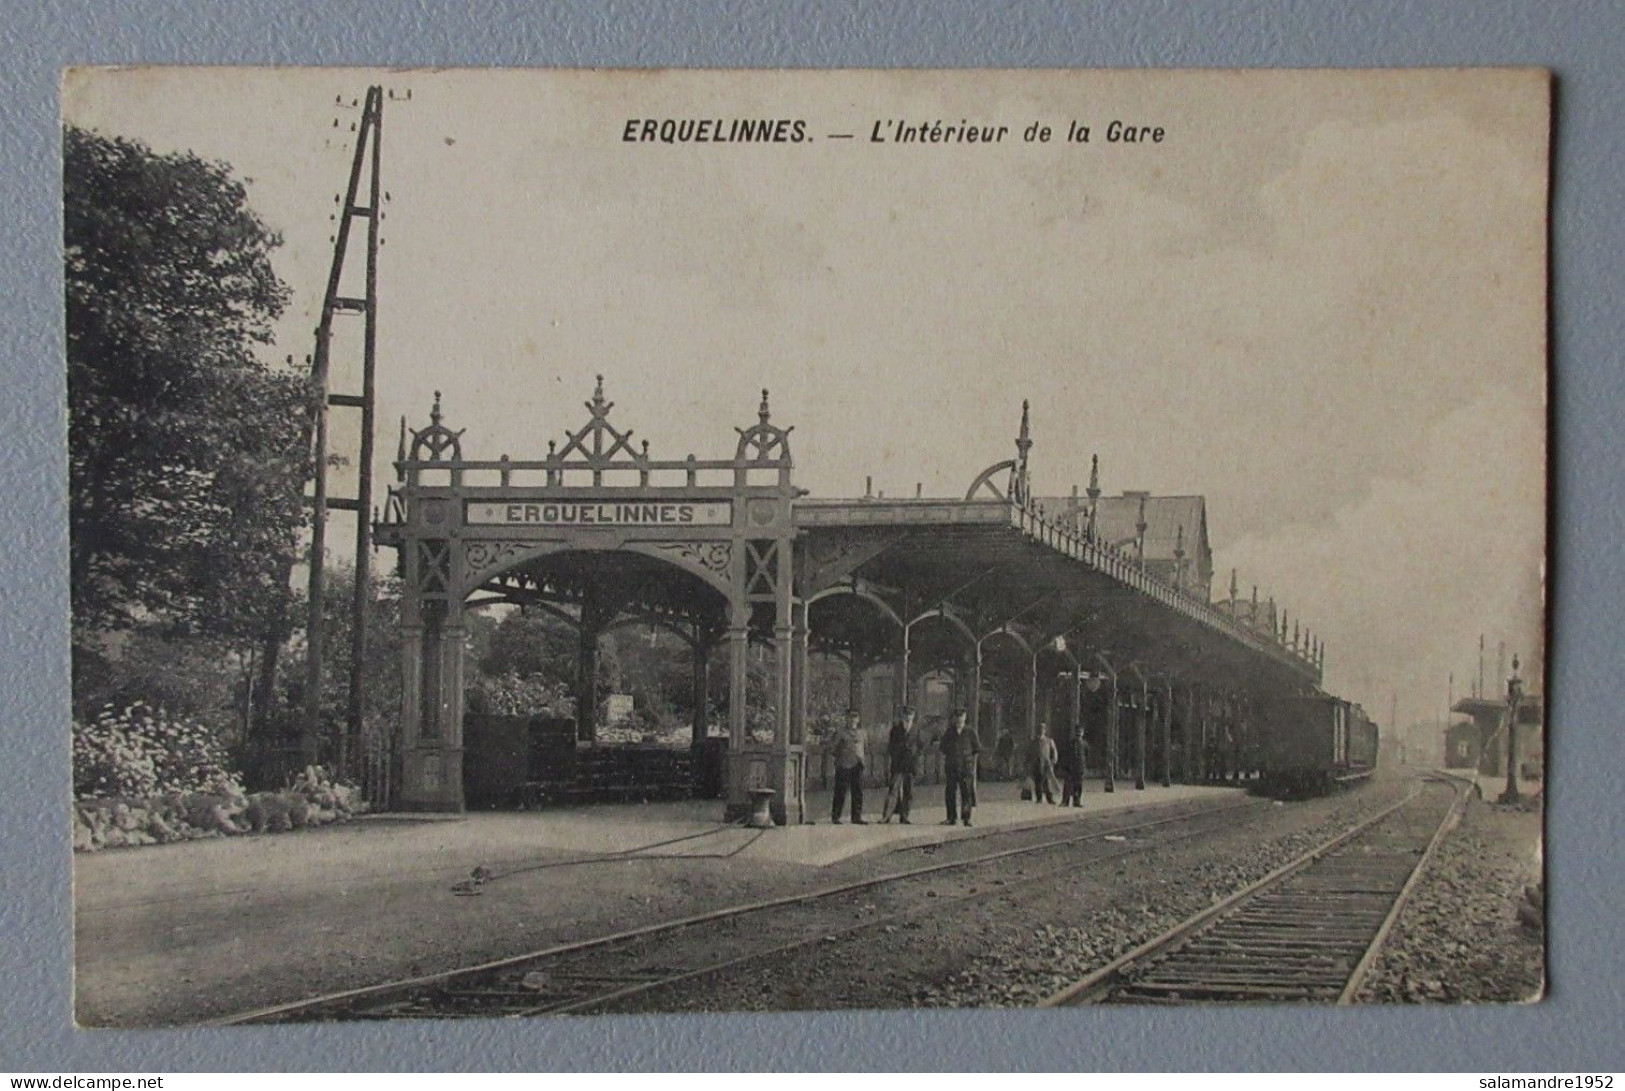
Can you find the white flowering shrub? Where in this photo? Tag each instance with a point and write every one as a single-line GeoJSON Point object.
{"type": "Point", "coordinates": [314, 798]}
{"type": "Point", "coordinates": [522, 695]}
{"type": "Point", "coordinates": [142, 751]}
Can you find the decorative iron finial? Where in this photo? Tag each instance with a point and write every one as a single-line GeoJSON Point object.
{"type": "Point", "coordinates": [1294, 636]}
{"type": "Point", "coordinates": [436, 443]}
{"type": "Point", "coordinates": [1094, 491]}
{"type": "Point", "coordinates": [598, 392]}
{"type": "Point", "coordinates": [1234, 587]}
{"type": "Point", "coordinates": [400, 448]}
{"type": "Point", "coordinates": [1179, 558]}
{"type": "Point", "coordinates": [764, 442]}
{"type": "Point", "coordinates": [1139, 533]}
{"type": "Point", "coordinates": [1020, 490]}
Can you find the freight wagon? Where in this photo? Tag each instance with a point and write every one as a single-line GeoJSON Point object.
{"type": "Point", "coordinates": [1314, 744]}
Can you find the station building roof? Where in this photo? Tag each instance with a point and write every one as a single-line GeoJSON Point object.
{"type": "Point", "coordinates": [1531, 708]}
{"type": "Point", "coordinates": [994, 560]}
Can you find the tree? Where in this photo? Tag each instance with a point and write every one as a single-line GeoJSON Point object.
{"type": "Point", "coordinates": [534, 643]}
{"type": "Point", "coordinates": [187, 453]}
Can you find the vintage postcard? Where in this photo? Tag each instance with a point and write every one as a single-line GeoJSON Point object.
{"type": "Point", "coordinates": [606, 541]}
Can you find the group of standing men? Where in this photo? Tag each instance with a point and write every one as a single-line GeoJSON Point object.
{"type": "Point", "coordinates": [960, 748]}
{"type": "Point", "coordinates": [1047, 760]}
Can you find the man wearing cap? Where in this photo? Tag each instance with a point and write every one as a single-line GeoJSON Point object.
{"type": "Point", "coordinates": [849, 769]}
{"type": "Point", "coordinates": [901, 747]}
{"type": "Point", "coordinates": [960, 746]}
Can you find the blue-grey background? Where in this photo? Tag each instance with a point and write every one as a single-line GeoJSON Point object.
{"type": "Point", "coordinates": [1581, 42]}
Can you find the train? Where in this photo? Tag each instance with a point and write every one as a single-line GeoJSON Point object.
{"type": "Point", "coordinates": [1312, 745]}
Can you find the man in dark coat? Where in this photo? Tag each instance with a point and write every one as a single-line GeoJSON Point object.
{"type": "Point", "coordinates": [960, 747]}
{"type": "Point", "coordinates": [849, 769]}
{"type": "Point", "coordinates": [901, 748]}
{"type": "Point", "coordinates": [1074, 756]}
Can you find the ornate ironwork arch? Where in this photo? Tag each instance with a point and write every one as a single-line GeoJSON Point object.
{"type": "Point", "coordinates": [858, 592]}
{"type": "Point", "coordinates": [486, 559]}
{"type": "Point", "coordinates": [951, 617]}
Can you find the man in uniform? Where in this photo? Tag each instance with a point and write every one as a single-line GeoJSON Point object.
{"type": "Point", "coordinates": [960, 746]}
{"type": "Point", "coordinates": [901, 747]}
{"type": "Point", "coordinates": [849, 769]}
{"type": "Point", "coordinates": [1074, 756]}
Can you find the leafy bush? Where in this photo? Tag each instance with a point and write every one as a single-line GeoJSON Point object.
{"type": "Point", "coordinates": [142, 751]}
{"type": "Point", "coordinates": [313, 799]}
{"type": "Point", "coordinates": [520, 695]}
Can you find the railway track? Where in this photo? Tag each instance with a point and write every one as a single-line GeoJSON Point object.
{"type": "Point", "coordinates": [1306, 933]}
{"type": "Point", "coordinates": [595, 973]}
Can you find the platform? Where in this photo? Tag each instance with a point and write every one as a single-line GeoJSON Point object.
{"type": "Point", "coordinates": [1491, 787]}
{"type": "Point", "coordinates": [173, 933]}
{"type": "Point", "coordinates": [389, 844]}
{"type": "Point", "coordinates": [821, 844]}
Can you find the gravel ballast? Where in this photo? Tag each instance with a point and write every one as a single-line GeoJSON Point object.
{"type": "Point", "coordinates": [1041, 931]}
{"type": "Point", "coordinates": [1460, 938]}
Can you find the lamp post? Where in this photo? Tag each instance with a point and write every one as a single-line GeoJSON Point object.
{"type": "Point", "coordinates": [1514, 697]}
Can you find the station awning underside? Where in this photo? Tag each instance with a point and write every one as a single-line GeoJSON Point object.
{"type": "Point", "coordinates": [989, 563]}
{"type": "Point", "coordinates": [960, 571]}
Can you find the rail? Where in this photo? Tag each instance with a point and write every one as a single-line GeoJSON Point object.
{"type": "Point", "coordinates": [483, 985]}
{"type": "Point", "coordinates": [1101, 983]}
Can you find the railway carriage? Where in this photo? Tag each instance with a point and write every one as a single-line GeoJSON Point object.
{"type": "Point", "coordinates": [1314, 744]}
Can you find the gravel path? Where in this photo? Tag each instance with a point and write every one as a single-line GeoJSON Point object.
{"type": "Point", "coordinates": [1459, 940]}
{"type": "Point", "coordinates": [1039, 933]}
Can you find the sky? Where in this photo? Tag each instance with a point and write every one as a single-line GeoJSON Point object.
{"type": "Point", "coordinates": [1318, 301]}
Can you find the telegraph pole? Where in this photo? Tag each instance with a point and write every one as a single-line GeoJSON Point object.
{"type": "Point", "coordinates": [1393, 725]}
{"type": "Point", "coordinates": [364, 184]}
{"type": "Point", "coordinates": [1514, 698]}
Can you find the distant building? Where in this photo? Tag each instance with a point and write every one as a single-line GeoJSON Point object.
{"type": "Point", "coordinates": [1174, 525]}
{"type": "Point", "coordinates": [1482, 737]}
{"type": "Point", "coordinates": [1461, 744]}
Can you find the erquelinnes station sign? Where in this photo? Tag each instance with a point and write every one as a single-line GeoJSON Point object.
{"type": "Point", "coordinates": [578, 513]}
